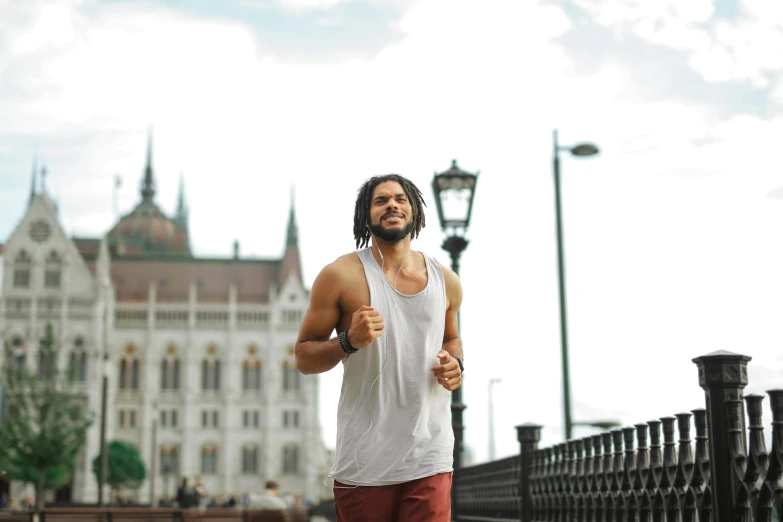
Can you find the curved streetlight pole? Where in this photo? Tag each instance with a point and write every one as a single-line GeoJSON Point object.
{"type": "Point", "coordinates": [584, 149]}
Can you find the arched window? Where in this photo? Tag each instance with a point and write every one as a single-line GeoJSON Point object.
{"type": "Point", "coordinates": [77, 367]}
{"type": "Point", "coordinates": [210, 373]}
{"type": "Point", "coordinates": [22, 266]}
{"type": "Point", "coordinates": [291, 376]}
{"type": "Point", "coordinates": [169, 373]}
{"type": "Point", "coordinates": [52, 270]}
{"type": "Point", "coordinates": [129, 373]}
{"type": "Point", "coordinates": [209, 459]}
{"type": "Point", "coordinates": [123, 377]}
{"type": "Point", "coordinates": [251, 375]}
{"type": "Point", "coordinates": [47, 364]}
{"type": "Point", "coordinates": [250, 460]}
{"type": "Point", "coordinates": [169, 461]}
{"type": "Point", "coordinates": [291, 459]}
{"type": "Point", "coordinates": [17, 356]}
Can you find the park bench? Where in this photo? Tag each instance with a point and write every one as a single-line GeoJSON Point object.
{"type": "Point", "coordinates": [139, 514]}
{"type": "Point", "coordinates": [14, 516]}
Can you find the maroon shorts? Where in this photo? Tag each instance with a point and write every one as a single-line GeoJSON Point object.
{"type": "Point", "coordinates": [423, 500]}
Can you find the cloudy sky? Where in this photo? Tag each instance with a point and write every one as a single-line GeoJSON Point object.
{"type": "Point", "coordinates": [672, 234]}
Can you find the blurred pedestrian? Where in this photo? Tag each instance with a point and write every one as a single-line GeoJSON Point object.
{"type": "Point", "coordinates": [269, 499]}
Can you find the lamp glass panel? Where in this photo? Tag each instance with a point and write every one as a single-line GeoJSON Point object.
{"type": "Point", "coordinates": [456, 182]}
{"type": "Point", "coordinates": [455, 204]}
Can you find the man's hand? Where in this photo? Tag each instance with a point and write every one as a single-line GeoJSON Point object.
{"type": "Point", "coordinates": [448, 373]}
{"type": "Point", "coordinates": [366, 326]}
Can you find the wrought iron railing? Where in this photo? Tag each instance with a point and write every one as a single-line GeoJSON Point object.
{"type": "Point", "coordinates": [652, 471]}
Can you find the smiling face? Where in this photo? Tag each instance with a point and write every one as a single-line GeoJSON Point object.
{"type": "Point", "coordinates": [390, 212]}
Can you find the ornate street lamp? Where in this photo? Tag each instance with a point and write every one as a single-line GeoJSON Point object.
{"type": "Point", "coordinates": [454, 190]}
{"type": "Point", "coordinates": [581, 150]}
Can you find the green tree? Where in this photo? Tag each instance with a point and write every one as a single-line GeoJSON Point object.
{"type": "Point", "coordinates": [54, 476]}
{"type": "Point", "coordinates": [126, 467]}
{"type": "Point", "coordinates": [46, 420]}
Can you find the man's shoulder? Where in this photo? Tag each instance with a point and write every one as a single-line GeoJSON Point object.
{"type": "Point", "coordinates": [343, 269]}
{"type": "Point", "coordinates": [349, 260]}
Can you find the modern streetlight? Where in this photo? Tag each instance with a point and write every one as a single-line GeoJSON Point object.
{"type": "Point", "coordinates": [491, 407]}
{"type": "Point", "coordinates": [454, 190]}
{"type": "Point", "coordinates": [583, 149]}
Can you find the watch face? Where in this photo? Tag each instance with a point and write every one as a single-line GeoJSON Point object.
{"type": "Point", "coordinates": [40, 231]}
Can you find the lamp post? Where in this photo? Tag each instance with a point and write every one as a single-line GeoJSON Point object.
{"type": "Point", "coordinates": [491, 408]}
{"type": "Point", "coordinates": [103, 469]}
{"type": "Point", "coordinates": [154, 456]}
{"type": "Point", "coordinates": [454, 190]}
{"type": "Point", "coordinates": [165, 470]}
{"type": "Point", "coordinates": [583, 149]}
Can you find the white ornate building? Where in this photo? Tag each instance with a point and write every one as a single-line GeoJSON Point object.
{"type": "Point", "coordinates": [198, 351]}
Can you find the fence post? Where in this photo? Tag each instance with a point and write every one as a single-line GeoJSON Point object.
{"type": "Point", "coordinates": [723, 375]}
{"type": "Point", "coordinates": [528, 435]}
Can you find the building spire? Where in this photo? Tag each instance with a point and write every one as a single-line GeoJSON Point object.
{"type": "Point", "coordinates": [33, 178]}
{"type": "Point", "coordinates": [292, 236]}
{"type": "Point", "coordinates": [148, 185]}
{"type": "Point", "coordinates": [181, 217]}
{"type": "Point", "coordinates": [182, 207]}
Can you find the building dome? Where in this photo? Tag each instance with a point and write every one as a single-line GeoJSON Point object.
{"type": "Point", "coordinates": [146, 229]}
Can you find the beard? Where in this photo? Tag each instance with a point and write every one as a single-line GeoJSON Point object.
{"type": "Point", "coordinates": [391, 235]}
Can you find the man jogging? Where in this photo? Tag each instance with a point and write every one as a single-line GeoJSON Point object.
{"type": "Point", "coordinates": [395, 314]}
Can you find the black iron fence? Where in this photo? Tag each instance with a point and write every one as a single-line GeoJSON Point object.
{"type": "Point", "coordinates": [652, 471]}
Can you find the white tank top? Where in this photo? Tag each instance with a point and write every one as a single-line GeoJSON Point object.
{"type": "Point", "coordinates": [394, 419]}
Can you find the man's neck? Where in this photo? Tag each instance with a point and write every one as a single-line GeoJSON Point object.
{"type": "Point", "coordinates": [391, 256]}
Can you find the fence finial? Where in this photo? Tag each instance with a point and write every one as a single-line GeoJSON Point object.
{"type": "Point", "coordinates": [723, 375]}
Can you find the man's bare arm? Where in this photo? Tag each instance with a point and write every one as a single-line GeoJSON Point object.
{"type": "Point", "coordinates": [448, 372]}
{"type": "Point", "coordinates": [315, 352]}
{"type": "Point", "coordinates": [451, 340]}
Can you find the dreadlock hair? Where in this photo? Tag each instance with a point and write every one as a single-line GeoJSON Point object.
{"type": "Point", "coordinates": [361, 214]}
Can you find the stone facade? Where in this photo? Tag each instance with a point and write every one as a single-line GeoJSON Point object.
{"type": "Point", "coordinates": [198, 352]}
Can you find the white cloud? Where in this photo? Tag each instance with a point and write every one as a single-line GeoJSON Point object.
{"type": "Point", "coordinates": [745, 48]}
{"type": "Point", "coordinates": [309, 5]}
{"type": "Point", "coordinates": [662, 22]}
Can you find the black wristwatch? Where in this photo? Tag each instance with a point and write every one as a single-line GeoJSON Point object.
{"type": "Point", "coordinates": [461, 367]}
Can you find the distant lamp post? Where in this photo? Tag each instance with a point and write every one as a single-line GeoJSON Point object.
{"type": "Point", "coordinates": [165, 470]}
{"type": "Point", "coordinates": [583, 149]}
{"type": "Point", "coordinates": [491, 408]}
{"type": "Point", "coordinates": [154, 455]}
{"type": "Point", "coordinates": [454, 190]}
